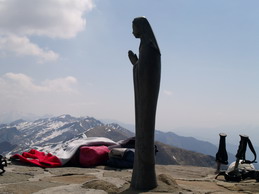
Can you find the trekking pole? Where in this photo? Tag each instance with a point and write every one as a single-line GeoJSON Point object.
{"type": "Point", "coordinates": [221, 155]}
{"type": "Point", "coordinates": [241, 152]}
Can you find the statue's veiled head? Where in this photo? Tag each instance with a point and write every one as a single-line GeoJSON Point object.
{"type": "Point", "coordinates": [143, 30]}
{"type": "Point", "coordinates": [140, 27]}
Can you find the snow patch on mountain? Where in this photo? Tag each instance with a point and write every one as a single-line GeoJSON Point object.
{"type": "Point", "coordinates": [50, 133]}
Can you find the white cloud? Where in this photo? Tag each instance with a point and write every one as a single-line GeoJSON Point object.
{"type": "Point", "coordinates": [168, 92]}
{"type": "Point", "coordinates": [20, 93]}
{"type": "Point", "coordinates": [60, 84]}
{"type": "Point", "coordinates": [22, 46]}
{"type": "Point", "coordinates": [20, 82]}
{"type": "Point", "coordinates": [52, 18]}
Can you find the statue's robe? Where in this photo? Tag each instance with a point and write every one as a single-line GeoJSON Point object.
{"type": "Point", "coordinates": [146, 76]}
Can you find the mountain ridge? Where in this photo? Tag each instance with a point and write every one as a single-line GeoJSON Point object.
{"type": "Point", "coordinates": [55, 131]}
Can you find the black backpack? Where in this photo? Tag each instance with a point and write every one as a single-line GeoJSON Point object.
{"type": "Point", "coordinates": [242, 168]}
{"type": "Point", "coordinates": [3, 163]}
{"type": "Point", "coordinates": [242, 172]}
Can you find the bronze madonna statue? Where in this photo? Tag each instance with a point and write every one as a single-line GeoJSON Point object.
{"type": "Point", "coordinates": [146, 76]}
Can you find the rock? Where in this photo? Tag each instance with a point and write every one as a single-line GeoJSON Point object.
{"type": "Point", "coordinates": [101, 185]}
{"type": "Point", "coordinates": [103, 180]}
{"type": "Point", "coordinates": [68, 189]}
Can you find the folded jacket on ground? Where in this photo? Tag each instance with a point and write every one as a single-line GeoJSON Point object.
{"type": "Point", "coordinates": [38, 158]}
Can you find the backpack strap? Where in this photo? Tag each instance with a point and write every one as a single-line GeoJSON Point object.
{"type": "Point", "coordinates": [233, 176]}
{"type": "Point", "coordinates": [221, 173]}
{"type": "Point", "coordinates": [253, 151]}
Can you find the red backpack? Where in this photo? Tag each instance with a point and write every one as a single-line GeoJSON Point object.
{"type": "Point", "coordinates": [93, 155]}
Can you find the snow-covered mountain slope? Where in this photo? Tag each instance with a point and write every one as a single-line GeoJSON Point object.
{"type": "Point", "coordinates": [57, 130]}
{"type": "Point", "coordinates": [55, 134]}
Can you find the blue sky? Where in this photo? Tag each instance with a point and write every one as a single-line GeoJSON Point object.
{"type": "Point", "coordinates": [70, 57]}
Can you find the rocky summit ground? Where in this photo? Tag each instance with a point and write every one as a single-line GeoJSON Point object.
{"type": "Point", "coordinates": [20, 179]}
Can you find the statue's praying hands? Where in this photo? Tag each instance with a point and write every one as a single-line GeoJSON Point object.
{"type": "Point", "coordinates": [132, 57]}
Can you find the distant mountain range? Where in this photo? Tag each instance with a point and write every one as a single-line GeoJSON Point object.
{"type": "Point", "coordinates": [21, 135]}
{"type": "Point", "coordinates": [189, 143]}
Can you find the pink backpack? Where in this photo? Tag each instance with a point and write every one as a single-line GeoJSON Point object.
{"type": "Point", "coordinates": [93, 155]}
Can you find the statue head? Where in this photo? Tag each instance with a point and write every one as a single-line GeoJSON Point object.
{"type": "Point", "coordinates": [140, 27]}
{"type": "Point", "coordinates": [143, 30]}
